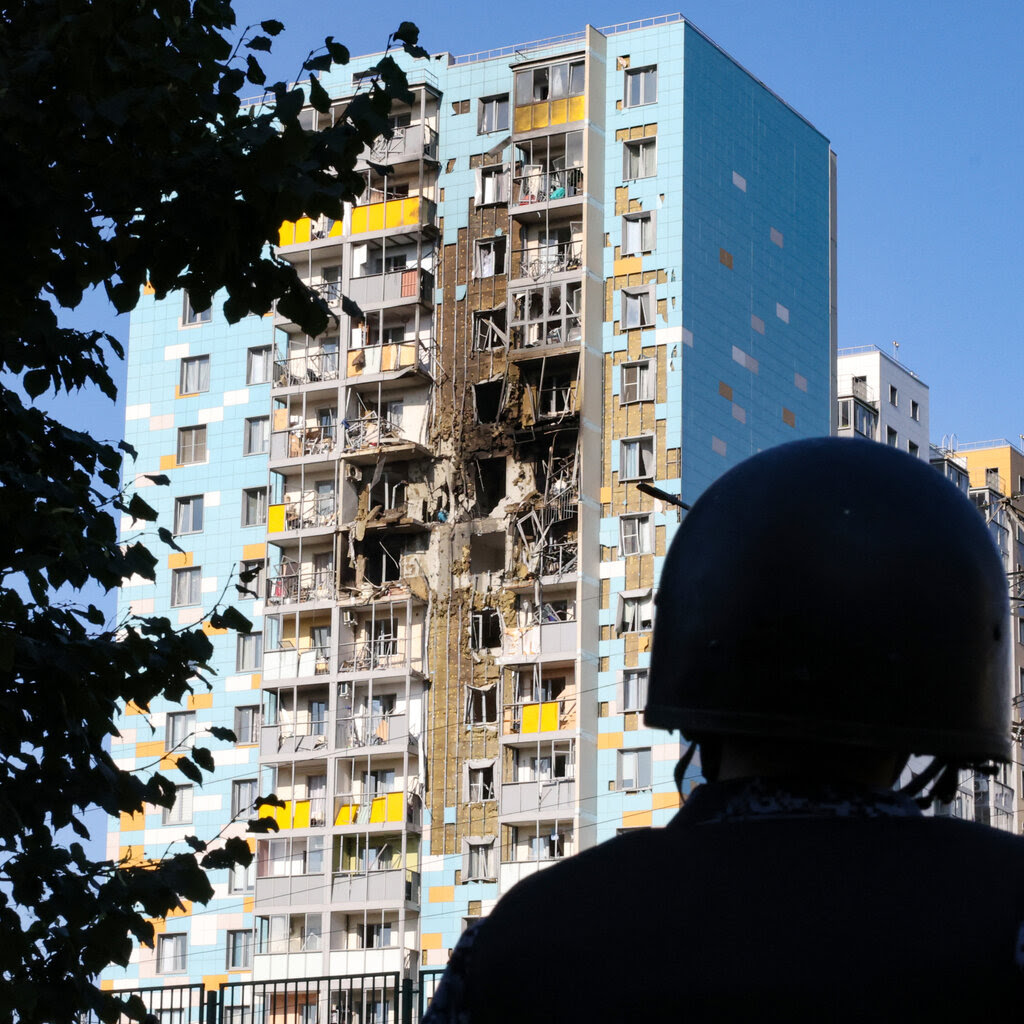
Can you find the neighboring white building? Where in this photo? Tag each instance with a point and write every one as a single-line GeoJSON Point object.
{"type": "Point", "coordinates": [882, 400]}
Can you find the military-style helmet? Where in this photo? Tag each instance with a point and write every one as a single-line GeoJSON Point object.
{"type": "Point", "coordinates": [836, 591]}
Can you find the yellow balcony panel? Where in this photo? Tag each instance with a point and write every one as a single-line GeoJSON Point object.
{"type": "Point", "coordinates": [549, 716]}
{"type": "Point", "coordinates": [275, 519]}
{"type": "Point", "coordinates": [559, 111]}
{"type": "Point", "coordinates": [395, 806]}
{"type": "Point", "coordinates": [377, 810]}
{"type": "Point", "coordinates": [523, 119]}
{"type": "Point", "coordinates": [335, 230]}
{"type": "Point", "coordinates": [301, 814]}
{"type": "Point", "coordinates": [346, 814]}
{"type": "Point", "coordinates": [541, 115]}
{"type": "Point", "coordinates": [395, 213]}
{"type": "Point", "coordinates": [577, 107]}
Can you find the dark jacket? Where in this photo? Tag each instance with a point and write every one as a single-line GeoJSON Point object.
{"type": "Point", "coordinates": [759, 902]}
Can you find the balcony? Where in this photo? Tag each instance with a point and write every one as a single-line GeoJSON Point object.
{"type": "Point", "coordinates": [297, 813]}
{"type": "Point", "coordinates": [388, 811]}
{"type": "Point", "coordinates": [389, 731]}
{"type": "Point", "coordinates": [389, 214]}
{"type": "Point", "coordinates": [309, 511]}
{"type": "Point", "coordinates": [287, 662]}
{"type": "Point", "coordinates": [530, 718]}
{"type": "Point", "coordinates": [306, 230]}
{"type": "Point", "coordinates": [284, 890]}
{"type": "Point", "coordinates": [311, 367]}
{"type": "Point", "coordinates": [546, 638]}
{"type": "Point", "coordinates": [537, 261]}
{"type": "Point", "coordinates": [371, 961]}
{"type": "Point", "coordinates": [406, 144]}
{"type": "Point", "coordinates": [303, 442]}
{"type": "Point", "coordinates": [379, 655]}
{"type": "Point", "coordinates": [550, 798]}
{"type": "Point", "coordinates": [366, 438]}
{"type": "Point", "coordinates": [301, 587]}
{"type": "Point", "coordinates": [389, 358]}
{"type": "Point", "coordinates": [539, 186]}
{"type": "Point", "coordinates": [276, 967]}
{"type": "Point", "coordinates": [396, 286]}
{"type": "Point", "coordinates": [375, 888]}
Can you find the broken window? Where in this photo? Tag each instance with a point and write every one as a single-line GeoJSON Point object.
{"type": "Point", "coordinates": [488, 400]}
{"type": "Point", "coordinates": [637, 233]}
{"type": "Point", "coordinates": [634, 769]}
{"type": "Point", "coordinates": [636, 458]}
{"type": "Point", "coordinates": [481, 706]}
{"type": "Point", "coordinates": [637, 382]}
{"type": "Point", "coordinates": [383, 560]}
{"type": "Point", "coordinates": [554, 82]}
{"type": "Point", "coordinates": [556, 396]}
{"type": "Point", "coordinates": [635, 535]}
{"type": "Point", "coordinates": [489, 257]}
{"type": "Point", "coordinates": [637, 308]}
{"type": "Point", "coordinates": [493, 115]}
{"type": "Point", "coordinates": [492, 185]}
{"type": "Point", "coordinates": [490, 484]}
{"type": "Point", "coordinates": [389, 491]}
{"type": "Point", "coordinates": [486, 629]}
{"type": "Point", "coordinates": [547, 315]}
{"type": "Point", "coordinates": [481, 783]}
{"type": "Point", "coordinates": [487, 552]}
{"type": "Point", "coordinates": [489, 329]}
{"type": "Point", "coordinates": [636, 611]}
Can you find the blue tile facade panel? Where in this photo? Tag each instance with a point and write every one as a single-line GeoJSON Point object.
{"type": "Point", "coordinates": [158, 342]}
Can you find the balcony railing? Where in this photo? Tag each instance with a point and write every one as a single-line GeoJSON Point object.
{"type": "Point", "coordinates": [539, 716]}
{"type": "Point", "coordinates": [396, 285]}
{"type": "Point", "coordinates": [387, 358]}
{"type": "Point", "coordinates": [384, 809]}
{"type": "Point", "coordinates": [371, 432]}
{"type": "Point", "coordinates": [408, 143]}
{"type": "Point", "coordinates": [544, 638]}
{"type": "Point", "coordinates": [309, 512]}
{"type": "Point", "coordinates": [367, 655]}
{"type": "Point", "coordinates": [288, 663]}
{"type": "Point", "coordinates": [537, 261]}
{"type": "Point", "coordinates": [393, 885]}
{"type": "Point", "coordinates": [298, 813]}
{"type": "Point", "coordinates": [307, 368]}
{"type": "Point", "coordinates": [539, 186]}
{"type": "Point", "coordinates": [550, 796]}
{"type": "Point", "coordinates": [294, 587]}
{"type": "Point", "coordinates": [400, 212]}
{"type": "Point", "coordinates": [371, 730]}
{"type": "Point", "coordinates": [298, 442]}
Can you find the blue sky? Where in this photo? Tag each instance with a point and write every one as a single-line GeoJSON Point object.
{"type": "Point", "coordinates": [923, 104]}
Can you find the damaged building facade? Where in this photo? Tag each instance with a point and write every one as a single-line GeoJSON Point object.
{"type": "Point", "coordinates": [579, 265]}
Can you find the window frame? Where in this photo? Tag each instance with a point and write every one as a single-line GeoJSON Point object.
{"type": "Point", "coordinates": [638, 73]}
{"type": "Point", "coordinates": [251, 711]}
{"type": "Point", "coordinates": [240, 789]}
{"type": "Point", "coordinates": [634, 698]}
{"type": "Point", "coordinates": [647, 217]}
{"type": "Point", "coordinates": [234, 962]}
{"type": "Point", "coordinates": [187, 506]}
{"type": "Point", "coordinates": [254, 424]}
{"type": "Point", "coordinates": [259, 496]}
{"type": "Point", "coordinates": [192, 446]}
{"type": "Point", "coordinates": [642, 386]}
{"type": "Point", "coordinates": [644, 152]}
{"type": "Point", "coordinates": [258, 586]}
{"type": "Point", "coordinates": [180, 953]}
{"type": "Point", "coordinates": [193, 595]}
{"type": "Point", "coordinates": [182, 811]}
{"type": "Point", "coordinates": [192, 317]}
{"type": "Point", "coordinates": [498, 245]}
{"type": "Point", "coordinates": [642, 537]}
{"type": "Point", "coordinates": [492, 103]}
{"type": "Point", "coordinates": [200, 362]}
{"type": "Point", "coordinates": [253, 357]}
{"type": "Point", "coordinates": [473, 848]}
{"type": "Point", "coordinates": [647, 308]}
{"type": "Point", "coordinates": [641, 618]}
{"type": "Point", "coordinates": [180, 730]}
{"type": "Point", "coordinates": [643, 442]}
{"type": "Point", "coordinates": [641, 770]}
{"type": "Point", "coordinates": [249, 652]}
{"type": "Point", "coordinates": [498, 172]}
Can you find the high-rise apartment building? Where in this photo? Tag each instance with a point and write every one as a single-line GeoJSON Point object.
{"type": "Point", "coordinates": [581, 265]}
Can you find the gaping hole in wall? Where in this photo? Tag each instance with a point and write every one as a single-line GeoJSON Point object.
{"type": "Point", "coordinates": [488, 401]}
{"type": "Point", "coordinates": [382, 559]}
{"type": "Point", "coordinates": [486, 629]}
{"type": "Point", "coordinates": [487, 552]}
{"type": "Point", "coordinates": [491, 486]}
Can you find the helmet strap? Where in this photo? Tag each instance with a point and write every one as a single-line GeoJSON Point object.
{"type": "Point", "coordinates": [682, 765]}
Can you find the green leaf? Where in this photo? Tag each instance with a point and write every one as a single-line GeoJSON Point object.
{"type": "Point", "coordinates": [203, 758]}
{"type": "Point", "coordinates": [339, 54]}
{"type": "Point", "coordinates": [196, 843]}
{"type": "Point", "coordinates": [36, 382]}
{"type": "Point", "coordinates": [167, 537]}
{"type": "Point", "coordinates": [318, 96]}
{"type": "Point", "coordinates": [218, 732]}
{"type": "Point", "coordinates": [160, 479]}
{"type": "Point", "coordinates": [259, 43]}
{"type": "Point", "coordinates": [260, 825]}
{"type": "Point", "coordinates": [139, 509]}
{"type": "Point", "coordinates": [126, 447]}
{"type": "Point", "coordinates": [270, 800]}
{"type": "Point", "coordinates": [320, 63]}
{"type": "Point", "coordinates": [188, 769]}
{"type": "Point", "coordinates": [271, 27]}
{"type": "Point", "coordinates": [231, 618]}
{"type": "Point", "coordinates": [253, 71]}
{"type": "Point", "coordinates": [408, 35]}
